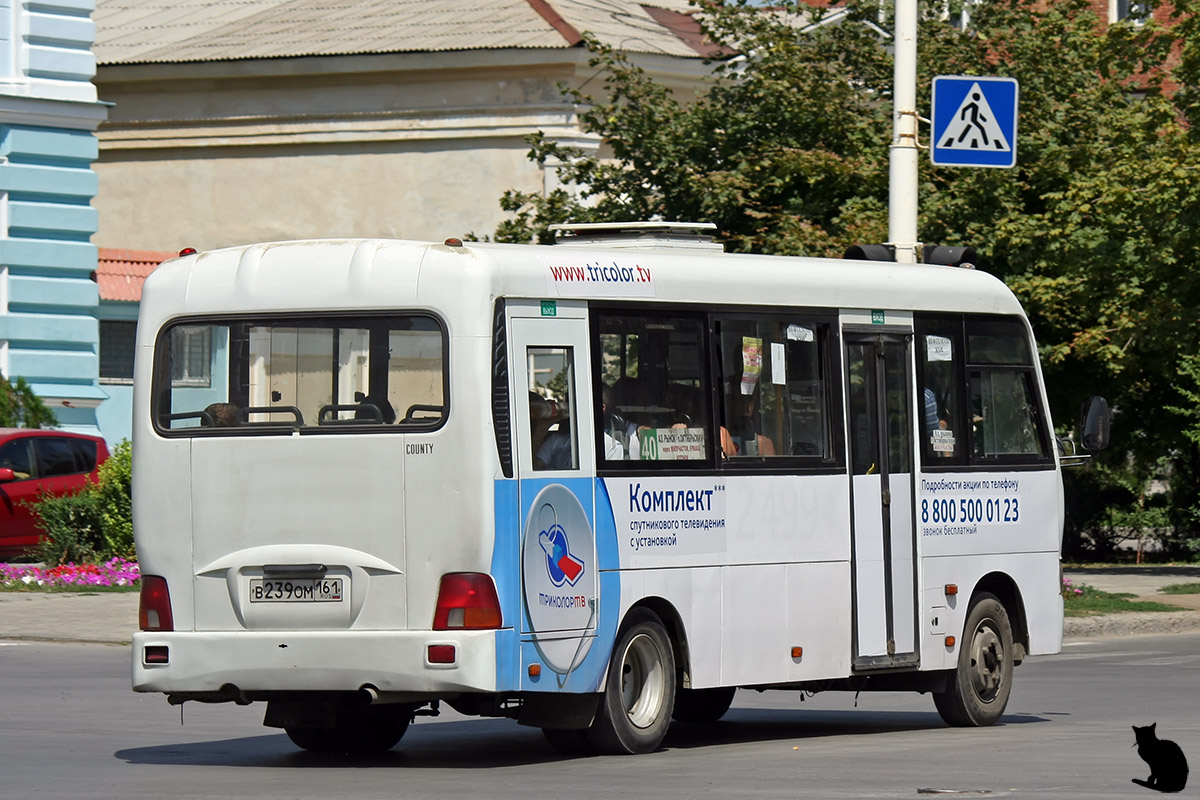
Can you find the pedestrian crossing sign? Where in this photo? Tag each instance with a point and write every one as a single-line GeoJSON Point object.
{"type": "Point", "coordinates": [974, 121]}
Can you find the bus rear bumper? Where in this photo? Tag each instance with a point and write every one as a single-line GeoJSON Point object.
{"type": "Point", "coordinates": [228, 662]}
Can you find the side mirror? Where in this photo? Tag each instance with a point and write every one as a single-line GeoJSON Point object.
{"type": "Point", "coordinates": [1095, 422]}
{"type": "Point", "coordinates": [7, 475]}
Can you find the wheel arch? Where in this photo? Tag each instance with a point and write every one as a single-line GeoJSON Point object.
{"type": "Point", "coordinates": [676, 632]}
{"type": "Point", "coordinates": [1008, 593]}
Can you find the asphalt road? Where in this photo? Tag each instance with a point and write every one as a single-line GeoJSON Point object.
{"type": "Point", "coordinates": [70, 728]}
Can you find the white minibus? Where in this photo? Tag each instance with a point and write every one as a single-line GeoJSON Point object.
{"type": "Point", "coordinates": [592, 487]}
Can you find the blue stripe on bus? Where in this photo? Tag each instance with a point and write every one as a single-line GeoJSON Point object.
{"type": "Point", "coordinates": [506, 571]}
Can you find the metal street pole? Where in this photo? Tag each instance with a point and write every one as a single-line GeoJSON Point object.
{"type": "Point", "coordinates": [902, 186]}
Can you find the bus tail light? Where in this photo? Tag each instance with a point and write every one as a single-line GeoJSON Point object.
{"type": "Point", "coordinates": [466, 601]}
{"type": "Point", "coordinates": [154, 605]}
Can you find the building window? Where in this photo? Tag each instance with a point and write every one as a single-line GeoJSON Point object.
{"type": "Point", "coordinates": [1128, 11]}
{"type": "Point", "coordinates": [191, 352]}
{"type": "Point", "coordinates": [958, 13]}
{"type": "Point", "coordinates": [116, 350]}
{"type": "Point", "coordinates": [12, 37]}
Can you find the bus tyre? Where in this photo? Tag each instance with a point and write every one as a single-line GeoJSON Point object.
{"type": "Point", "coordinates": [318, 740]}
{"type": "Point", "coordinates": [356, 733]}
{"type": "Point", "coordinates": [978, 690]}
{"type": "Point", "coordinates": [635, 711]}
{"type": "Point", "coordinates": [702, 705]}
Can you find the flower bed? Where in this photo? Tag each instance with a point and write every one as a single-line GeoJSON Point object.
{"type": "Point", "coordinates": [116, 572]}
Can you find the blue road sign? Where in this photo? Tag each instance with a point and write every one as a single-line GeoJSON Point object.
{"type": "Point", "coordinates": [974, 121]}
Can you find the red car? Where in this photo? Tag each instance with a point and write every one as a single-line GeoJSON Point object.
{"type": "Point", "coordinates": [33, 462]}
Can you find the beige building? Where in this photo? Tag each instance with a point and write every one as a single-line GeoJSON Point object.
{"type": "Point", "coordinates": [277, 119]}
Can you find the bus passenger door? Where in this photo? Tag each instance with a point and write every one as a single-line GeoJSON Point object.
{"type": "Point", "coordinates": [556, 468]}
{"type": "Point", "coordinates": [880, 401]}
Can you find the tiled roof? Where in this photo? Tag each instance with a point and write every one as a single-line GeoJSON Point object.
{"type": "Point", "coordinates": [161, 31]}
{"type": "Point", "coordinates": [120, 273]}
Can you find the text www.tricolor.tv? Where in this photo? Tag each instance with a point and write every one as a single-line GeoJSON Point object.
{"type": "Point", "coordinates": [601, 273]}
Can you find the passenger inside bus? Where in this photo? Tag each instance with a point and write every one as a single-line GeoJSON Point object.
{"type": "Point", "coordinates": [937, 425]}
{"type": "Point", "coordinates": [685, 401]}
{"type": "Point", "coordinates": [619, 434]}
{"type": "Point", "coordinates": [223, 415]}
{"type": "Point", "coordinates": [550, 434]}
{"type": "Point", "coordinates": [628, 400]}
{"type": "Point", "coordinates": [743, 432]}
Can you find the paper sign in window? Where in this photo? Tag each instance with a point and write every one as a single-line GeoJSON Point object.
{"type": "Point", "coordinates": [942, 441]}
{"type": "Point", "coordinates": [752, 356]}
{"type": "Point", "coordinates": [938, 348]}
{"type": "Point", "coordinates": [672, 444]}
{"type": "Point", "coordinates": [798, 333]}
{"type": "Point", "coordinates": [778, 363]}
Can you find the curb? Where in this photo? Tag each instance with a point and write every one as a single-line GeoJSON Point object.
{"type": "Point", "coordinates": [1131, 623]}
{"type": "Point", "coordinates": [51, 639]}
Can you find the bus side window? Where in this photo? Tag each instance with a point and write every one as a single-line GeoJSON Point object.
{"type": "Point", "coordinates": [774, 391]}
{"type": "Point", "coordinates": [1005, 412]}
{"type": "Point", "coordinates": [551, 400]}
{"type": "Point", "coordinates": [653, 385]}
{"type": "Point", "coordinates": [939, 390]}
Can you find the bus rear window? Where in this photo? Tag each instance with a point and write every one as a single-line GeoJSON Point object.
{"type": "Point", "coordinates": [326, 374]}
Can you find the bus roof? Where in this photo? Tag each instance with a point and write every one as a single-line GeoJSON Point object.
{"type": "Point", "coordinates": [347, 274]}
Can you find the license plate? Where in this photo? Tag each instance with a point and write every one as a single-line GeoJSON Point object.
{"type": "Point", "coordinates": [317, 590]}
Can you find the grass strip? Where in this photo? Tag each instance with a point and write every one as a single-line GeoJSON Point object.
{"type": "Point", "coordinates": [1181, 588]}
{"type": "Point", "coordinates": [1081, 600]}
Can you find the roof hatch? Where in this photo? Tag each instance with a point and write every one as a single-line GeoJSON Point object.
{"type": "Point", "coordinates": [638, 235]}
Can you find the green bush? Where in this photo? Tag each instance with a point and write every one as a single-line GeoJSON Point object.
{"type": "Point", "coordinates": [114, 498]}
{"type": "Point", "coordinates": [73, 527]}
{"type": "Point", "coordinates": [93, 524]}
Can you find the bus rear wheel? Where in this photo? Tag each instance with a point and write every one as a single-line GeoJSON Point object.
{"type": "Point", "coordinates": [703, 705]}
{"type": "Point", "coordinates": [353, 733]}
{"type": "Point", "coordinates": [635, 711]}
{"type": "Point", "coordinates": [978, 690]}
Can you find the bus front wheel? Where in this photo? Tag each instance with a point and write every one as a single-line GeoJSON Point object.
{"type": "Point", "coordinates": [978, 690]}
{"type": "Point", "coordinates": [635, 711]}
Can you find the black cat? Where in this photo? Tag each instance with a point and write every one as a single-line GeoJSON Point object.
{"type": "Point", "coordinates": [1168, 767]}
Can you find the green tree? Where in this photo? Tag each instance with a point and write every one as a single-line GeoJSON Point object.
{"type": "Point", "coordinates": [21, 408]}
{"type": "Point", "coordinates": [1097, 229]}
{"type": "Point", "coordinates": [781, 150]}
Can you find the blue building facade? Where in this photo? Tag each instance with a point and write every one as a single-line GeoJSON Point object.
{"type": "Point", "coordinates": [49, 333]}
